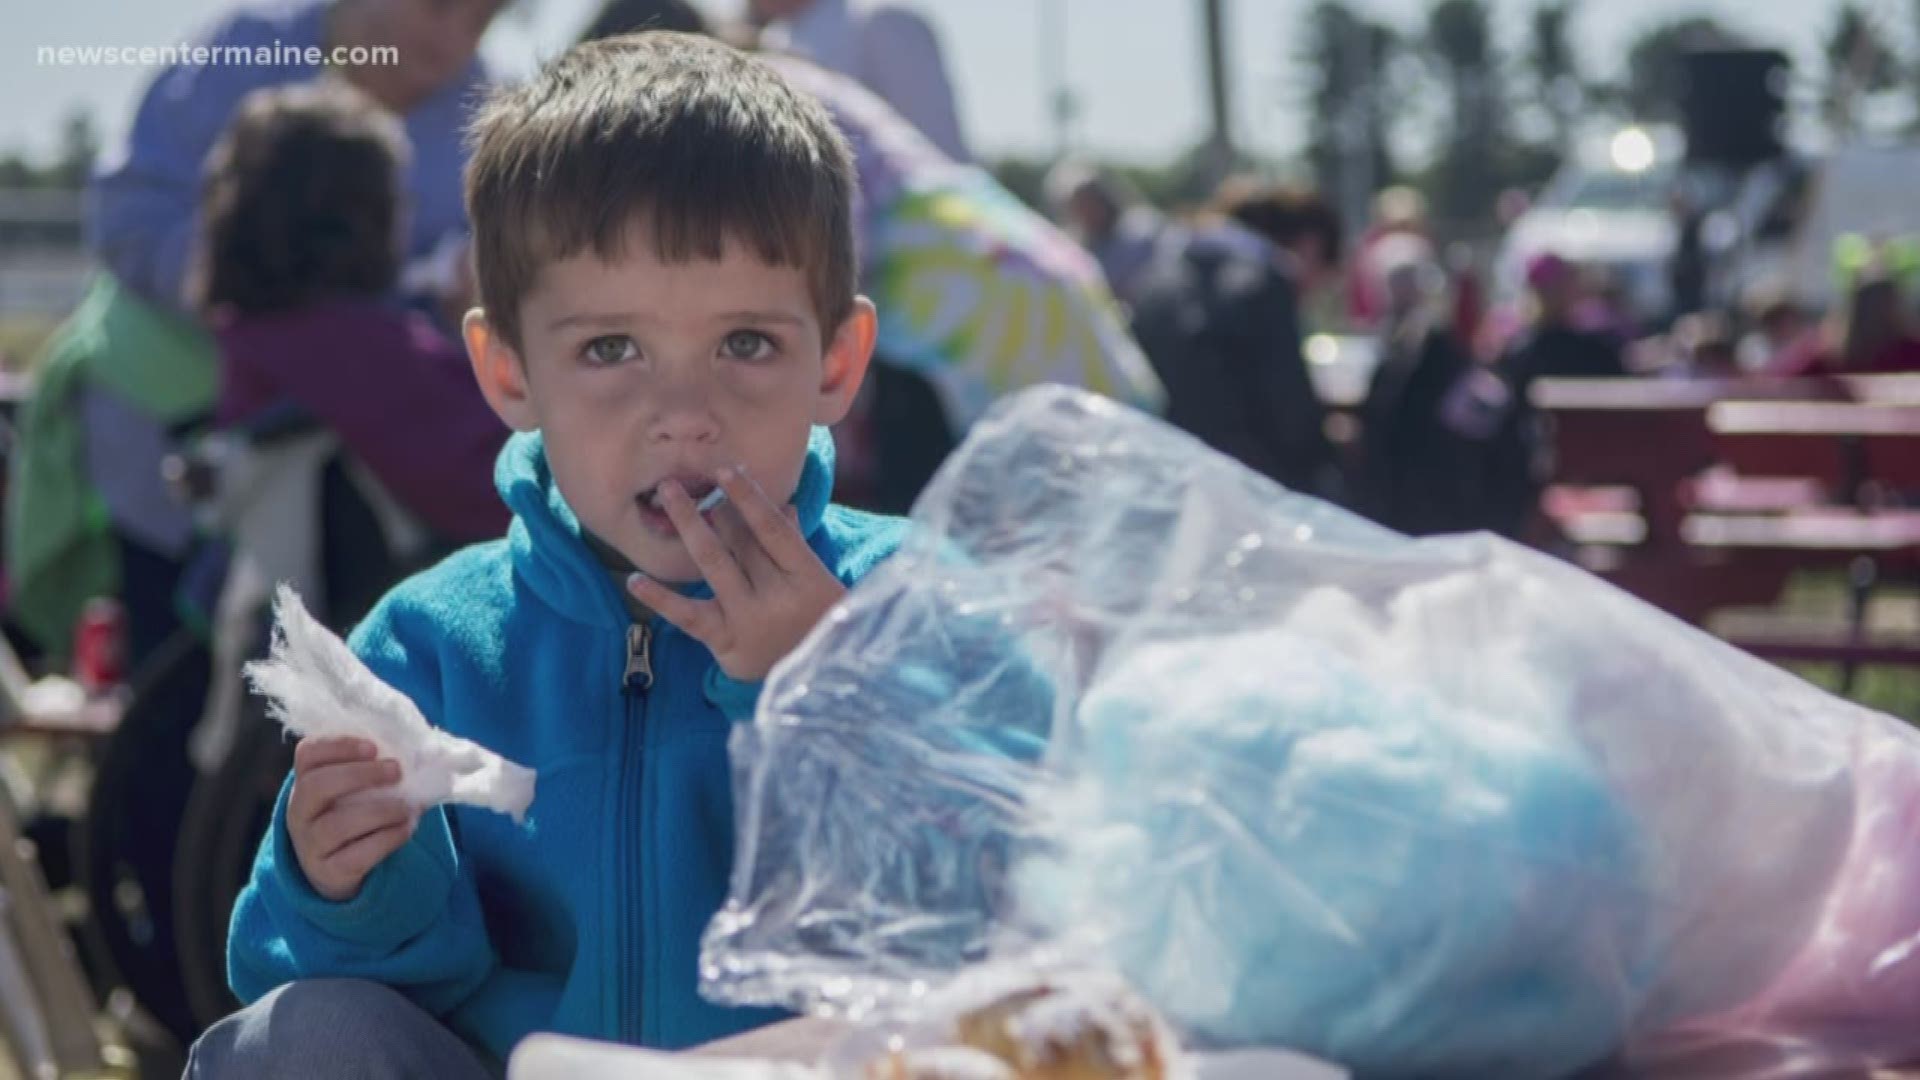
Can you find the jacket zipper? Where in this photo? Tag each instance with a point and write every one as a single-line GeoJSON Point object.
{"type": "Point", "coordinates": [636, 679]}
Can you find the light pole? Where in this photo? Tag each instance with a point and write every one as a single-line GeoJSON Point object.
{"type": "Point", "coordinates": [1357, 125]}
{"type": "Point", "coordinates": [1220, 140]}
{"type": "Point", "coordinates": [1053, 74]}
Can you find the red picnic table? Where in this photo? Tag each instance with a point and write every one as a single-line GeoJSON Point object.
{"type": "Point", "coordinates": [1646, 441]}
{"type": "Point", "coordinates": [1864, 449]}
{"type": "Point", "coordinates": [1649, 435]}
{"type": "Point", "coordinates": [1882, 389]}
{"type": "Point", "coordinates": [1848, 444]}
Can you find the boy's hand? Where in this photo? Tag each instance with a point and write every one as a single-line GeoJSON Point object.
{"type": "Point", "coordinates": [769, 588]}
{"type": "Point", "coordinates": [339, 831]}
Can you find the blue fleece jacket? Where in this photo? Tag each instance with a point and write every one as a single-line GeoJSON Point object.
{"type": "Point", "coordinates": [587, 919]}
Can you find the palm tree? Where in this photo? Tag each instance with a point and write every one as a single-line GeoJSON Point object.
{"type": "Point", "coordinates": [1555, 68]}
{"type": "Point", "coordinates": [1460, 42]}
{"type": "Point", "coordinates": [1349, 60]}
{"type": "Point", "coordinates": [79, 145]}
{"type": "Point", "coordinates": [1859, 63]}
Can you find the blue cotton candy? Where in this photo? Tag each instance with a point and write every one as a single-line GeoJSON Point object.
{"type": "Point", "coordinates": [1434, 808]}
{"type": "Point", "coordinates": [1279, 850]}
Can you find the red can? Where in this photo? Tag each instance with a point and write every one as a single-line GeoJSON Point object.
{"type": "Point", "coordinates": [100, 645]}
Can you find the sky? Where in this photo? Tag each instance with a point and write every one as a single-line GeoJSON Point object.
{"type": "Point", "coordinates": [1134, 66]}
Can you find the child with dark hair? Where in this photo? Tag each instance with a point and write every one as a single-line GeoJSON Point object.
{"type": "Point", "coordinates": [298, 258]}
{"type": "Point", "coordinates": [663, 243]}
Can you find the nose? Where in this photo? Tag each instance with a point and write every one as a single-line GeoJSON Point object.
{"type": "Point", "coordinates": [683, 413]}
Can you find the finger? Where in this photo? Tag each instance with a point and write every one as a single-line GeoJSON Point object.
{"type": "Point", "coordinates": [746, 547]}
{"type": "Point", "coordinates": [700, 619]}
{"type": "Point", "coordinates": [716, 563]}
{"type": "Point", "coordinates": [351, 821]}
{"type": "Point", "coordinates": [317, 791]}
{"type": "Point", "coordinates": [313, 753]}
{"type": "Point", "coordinates": [777, 533]}
{"type": "Point", "coordinates": [358, 858]}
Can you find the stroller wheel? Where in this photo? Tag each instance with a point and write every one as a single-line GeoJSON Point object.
{"type": "Point", "coordinates": [124, 849]}
{"type": "Point", "coordinates": [227, 814]}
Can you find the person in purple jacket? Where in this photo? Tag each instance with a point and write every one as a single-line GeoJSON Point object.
{"type": "Point", "coordinates": [296, 265]}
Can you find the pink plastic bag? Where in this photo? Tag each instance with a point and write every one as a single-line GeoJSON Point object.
{"type": "Point", "coordinates": [1850, 999]}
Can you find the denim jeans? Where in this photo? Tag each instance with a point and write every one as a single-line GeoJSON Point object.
{"type": "Point", "coordinates": [334, 1028]}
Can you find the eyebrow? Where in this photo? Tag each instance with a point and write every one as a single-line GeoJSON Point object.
{"type": "Point", "coordinates": [589, 318]}
{"type": "Point", "coordinates": [618, 318]}
{"type": "Point", "coordinates": [784, 317]}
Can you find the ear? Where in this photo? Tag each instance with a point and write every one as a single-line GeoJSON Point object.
{"type": "Point", "coordinates": [845, 365]}
{"type": "Point", "coordinates": [500, 371]}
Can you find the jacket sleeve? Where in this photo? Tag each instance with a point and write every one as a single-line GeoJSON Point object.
{"type": "Point", "coordinates": [144, 205]}
{"type": "Point", "coordinates": [415, 924]}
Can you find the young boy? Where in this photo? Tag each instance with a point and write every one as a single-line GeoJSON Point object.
{"type": "Point", "coordinates": [663, 244]}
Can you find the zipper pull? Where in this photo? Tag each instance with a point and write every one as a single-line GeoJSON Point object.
{"type": "Point", "coordinates": [639, 674]}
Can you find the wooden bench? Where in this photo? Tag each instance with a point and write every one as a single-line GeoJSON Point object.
{"type": "Point", "coordinates": [1650, 437]}
{"type": "Point", "coordinates": [1852, 448]}
{"type": "Point", "coordinates": [1828, 529]}
{"type": "Point", "coordinates": [1648, 434]}
{"type": "Point", "coordinates": [1847, 445]}
{"type": "Point", "coordinates": [1882, 389]}
{"type": "Point", "coordinates": [1829, 645]}
{"type": "Point", "coordinates": [1720, 490]}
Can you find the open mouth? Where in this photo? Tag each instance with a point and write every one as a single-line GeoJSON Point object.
{"type": "Point", "coordinates": [706, 495]}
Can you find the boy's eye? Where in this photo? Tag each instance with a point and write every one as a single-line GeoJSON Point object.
{"type": "Point", "coordinates": [747, 345]}
{"type": "Point", "coordinates": [611, 349]}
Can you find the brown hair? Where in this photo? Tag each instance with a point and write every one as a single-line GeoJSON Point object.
{"type": "Point", "coordinates": [300, 201]}
{"type": "Point", "coordinates": [704, 140]}
{"type": "Point", "coordinates": [1282, 215]}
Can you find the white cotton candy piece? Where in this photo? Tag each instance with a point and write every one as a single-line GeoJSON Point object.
{"type": "Point", "coordinates": [317, 688]}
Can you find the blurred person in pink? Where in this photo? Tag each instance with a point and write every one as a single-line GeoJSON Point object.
{"type": "Point", "coordinates": [1875, 335]}
{"type": "Point", "coordinates": [1556, 345]}
{"type": "Point", "coordinates": [1397, 211]}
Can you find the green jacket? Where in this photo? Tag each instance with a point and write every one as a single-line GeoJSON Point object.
{"type": "Point", "coordinates": [59, 547]}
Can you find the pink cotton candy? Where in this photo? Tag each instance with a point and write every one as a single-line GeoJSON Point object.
{"type": "Point", "coordinates": [1863, 961]}
{"type": "Point", "coordinates": [1850, 998]}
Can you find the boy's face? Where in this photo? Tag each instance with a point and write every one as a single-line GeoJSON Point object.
{"type": "Point", "coordinates": [640, 372]}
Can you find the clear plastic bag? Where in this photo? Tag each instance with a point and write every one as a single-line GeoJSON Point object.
{"type": "Point", "coordinates": [1441, 807]}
